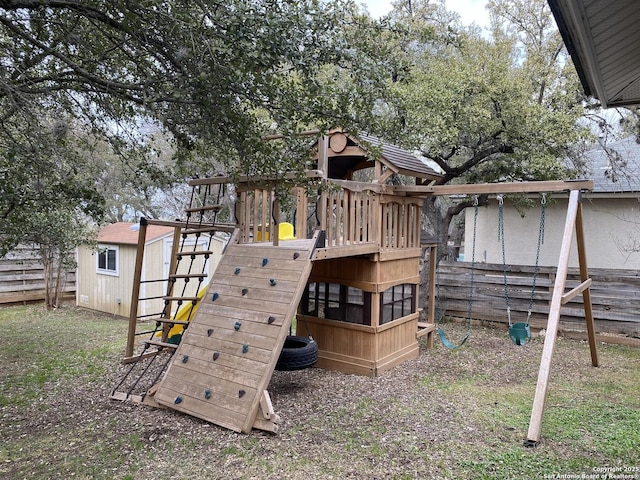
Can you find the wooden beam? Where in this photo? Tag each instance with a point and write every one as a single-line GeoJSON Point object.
{"type": "Point", "coordinates": [586, 295]}
{"type": "Point", "coordinates": [356, 186]}
{"type": "Point", "coordinates": [571, 294]}
{"type": "Point", "coordinates": [535, 424]}
{"type": "Point", "coordinates": [219, 227]}
{"type": "Point", "coordinates": [266, 407]}
{"type": "Point", "coordinates": [495, 188]}
{"type": "Point", "coordinates": [135, 291]}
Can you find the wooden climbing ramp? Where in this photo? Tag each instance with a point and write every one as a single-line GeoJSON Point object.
{"type": "Point", "coordinates": [224, 363]}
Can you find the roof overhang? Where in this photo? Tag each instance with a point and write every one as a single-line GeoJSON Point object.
{"type": "Point", "coordinates": [603, 39]}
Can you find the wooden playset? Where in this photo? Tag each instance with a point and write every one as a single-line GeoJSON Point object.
{"type": "Point", "coordinates": [345, 265]}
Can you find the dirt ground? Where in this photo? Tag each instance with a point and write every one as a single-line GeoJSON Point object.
{"type": "Point", "coordinates": [439, 416]}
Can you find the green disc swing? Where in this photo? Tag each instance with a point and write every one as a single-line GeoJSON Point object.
{"type": "Point", "coordinates": [441, 332]}
{"type": "Point", "coordinates": [520, 333]}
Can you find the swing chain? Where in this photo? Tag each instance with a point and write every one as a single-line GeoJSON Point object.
{"type": "Point", "coordinates": [536, 269]}
{"type": "Point", "coordinates": [500, 199]}
{"type": "Point", "coordinates": [438, 307]}
{"type": "Point", "coordinates": [473, 259]}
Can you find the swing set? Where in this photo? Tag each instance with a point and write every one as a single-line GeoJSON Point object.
{"type": "Point", "coordinates": [519, 332]}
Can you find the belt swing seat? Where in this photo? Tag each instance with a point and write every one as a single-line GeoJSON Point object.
{"type": "Point", "coordinates": [520, 332]}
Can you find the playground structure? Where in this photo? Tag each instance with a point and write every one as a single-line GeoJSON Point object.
{"type": "Point", "coordinates": [349, 274]}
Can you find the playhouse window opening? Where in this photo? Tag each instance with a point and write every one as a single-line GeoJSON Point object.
{"type": "Point", "coordinates": [397, 302]}
{"type": "Point", "coordinates": [334, 301]}
{"type": "Point", "coordinates": [107, 260]}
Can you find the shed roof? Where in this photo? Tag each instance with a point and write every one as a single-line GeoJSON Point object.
{"type": "Point", "coordinates": [121, 233]}
{"type": "Point", "coordinates": [616, 167]}
{"type": "Point", "coordinates": [602, 37]}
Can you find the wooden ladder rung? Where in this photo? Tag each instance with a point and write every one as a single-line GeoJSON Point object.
{"type": "Point", "coordinates": [188, 299]}
{"type": "Point", "coordinates": [175, 322]}
{"type": "Point", "coordinates": [196, 252]}
{"type": "Point", "coordinates": [205, 208]}
{"type": "Point", "coordinates": [159, 343]}
{"type": "Point", "coordinates": [189, 275]}
{"type": "Point", "coordinates": [205, 229]}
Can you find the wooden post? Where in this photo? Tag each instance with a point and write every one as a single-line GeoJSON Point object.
{"type": "Point", "coordinates": [535, 424]}
{"type": "Point", "coordinates": [301, 216]}
{"type": "Point", "coordinates": [135, 291]}
{"type": "Point", "coordinates": [586, 294]}
{"type": "Point", "coordinates": [323, 166]}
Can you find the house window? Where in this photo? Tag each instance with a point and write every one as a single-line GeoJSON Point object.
{"type": "Point", "coordinates": [107, 260]}
{"type": "Point", "coordinates": [397, 302]}
{"type": "Point", "coordinates": [337, 302]}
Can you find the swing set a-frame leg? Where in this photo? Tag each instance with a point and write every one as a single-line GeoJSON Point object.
{"type": "Point", "coordinates": [573, 221]}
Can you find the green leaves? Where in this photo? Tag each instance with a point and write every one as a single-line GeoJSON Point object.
{"type": "Point", "coordinates": [507, 99]}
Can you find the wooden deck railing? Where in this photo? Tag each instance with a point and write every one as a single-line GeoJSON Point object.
{"type": "Point", "coordinates": [352, 217]}
{"type": "Point", "coordinates": [350, 213]}
{"type": "Point", "coordinates": [257, 215]}
{"type": "Point", "coordinates": [401, 223]}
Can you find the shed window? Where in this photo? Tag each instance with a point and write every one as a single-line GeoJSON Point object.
{"type": "Point", "coordinates": [107, 260]}
{"type": "Point", "coordinates": [397, 302]}
{"type": "Point", "coordinates": [337, 302]}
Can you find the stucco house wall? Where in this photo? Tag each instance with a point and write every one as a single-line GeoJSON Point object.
{"type": "Point", "coordinates": [611, 215]}
{"type": "Point", "coordinates": [610, 224]}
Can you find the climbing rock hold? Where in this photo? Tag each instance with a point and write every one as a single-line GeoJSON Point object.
{"type": "Point", "coordinates": [236, 271]}
{"type": "Point", "coordinates": [245, 348]}
{"type": "Point", "coordinates": [216, 355]}
{"type": "Point", "coordinates": [237, 325]}
{"type": "Point", "coordinates": [272, 282]}
{"type": "Point", "coordinates": [271, 319]}
{"type": "Point", "coordinates": [185, 358]}
{"type": "Point", "coordinates": [265, 261]}
{"type": "Point", "coordinates": [178, 400]}
{"type": "Point", "coordinates": [207, 394]}
{"type": "Point", "coordinates": [214, 297]}
{"type": "Point", "coordinates": [296, 255]}
{"type": "Point", "coordinates": [241, 393]}
{"type": "Point", "coordinates": [209, 332]}
{"type": "Point", "coordinates": [244, 291]}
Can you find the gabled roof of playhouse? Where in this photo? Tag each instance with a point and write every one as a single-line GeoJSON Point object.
{"type": "Point", "coordinates": [616, 168]}
{"type": "Point", "coordinates": [121, 233]}
{"type": "Point", "coordinates": [349, 152]}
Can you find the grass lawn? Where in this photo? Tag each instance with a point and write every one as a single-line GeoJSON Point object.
{"type": "Point", "coordinates": [460, 414]}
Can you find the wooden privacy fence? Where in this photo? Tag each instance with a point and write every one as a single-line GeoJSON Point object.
{"type": "Point", "coordinates": [615, 295]}
{"type": "Point", "coordinates": [22, 277]}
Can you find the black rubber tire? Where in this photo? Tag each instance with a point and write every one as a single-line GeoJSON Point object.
{"type": "Point", "coordinates": [297, 353]}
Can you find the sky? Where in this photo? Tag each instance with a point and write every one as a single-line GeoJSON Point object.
{"type": "Point", "coordinates": [469, 10]}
